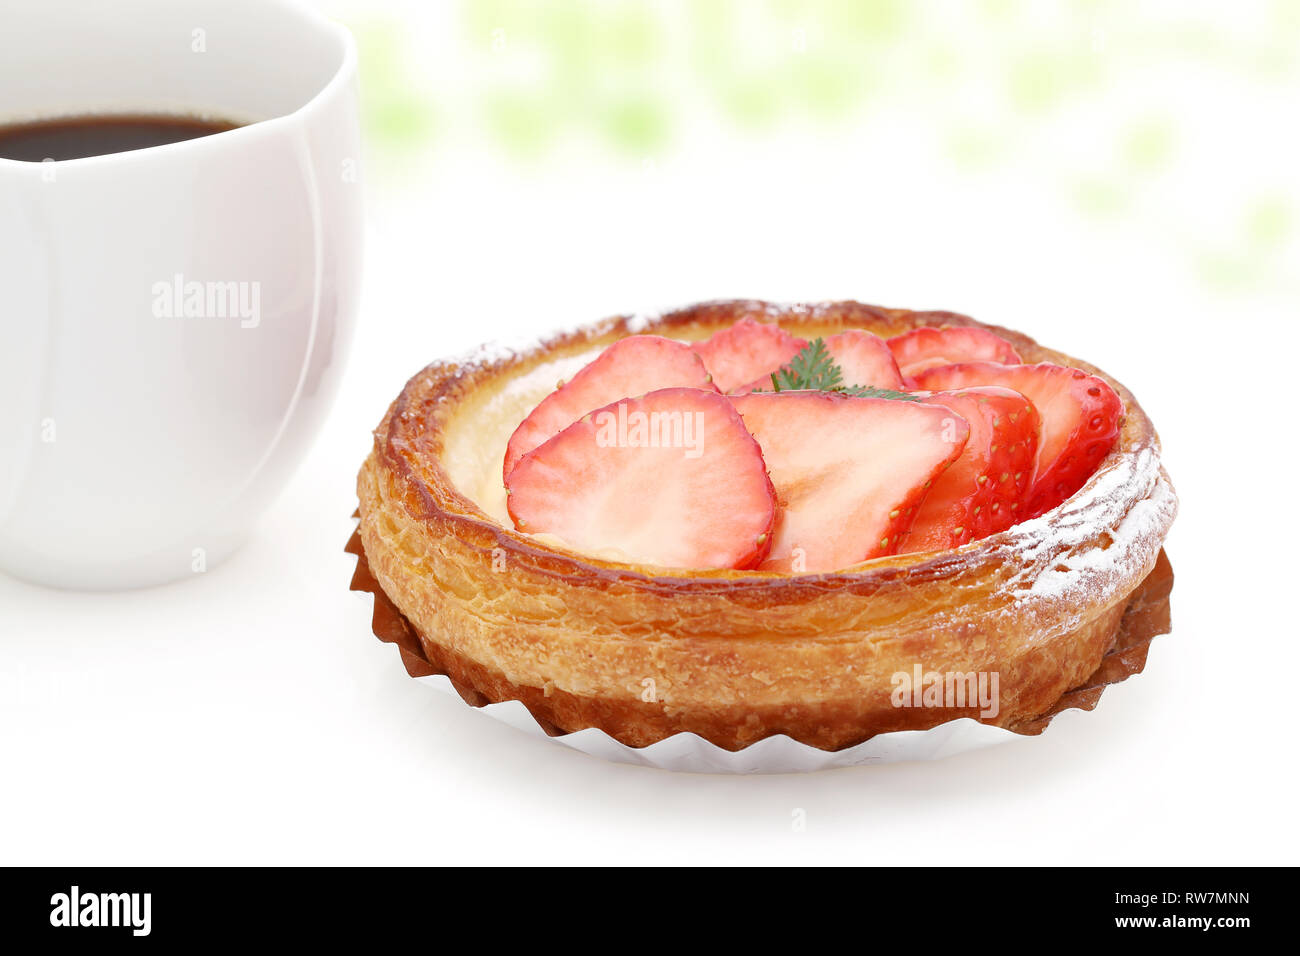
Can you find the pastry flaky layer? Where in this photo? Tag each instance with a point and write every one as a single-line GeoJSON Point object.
{"type": "Point", "coordinates": [830, 659]}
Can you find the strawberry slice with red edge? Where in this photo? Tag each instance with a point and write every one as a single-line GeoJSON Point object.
{"type": "Point", "coordinates": [747, 350]}
{"type": "Point", "coordinates": [929, 347]}
{"type": "Point", "coordinates": [672, 478]}
{"type": "Point", "coordinates": [985, 489]}
{"type": "Point", "coordinates": [631, 366]}
{"type": "Point", "coordinates": [1079, 414]}
{"type": "Point", "coordinates": [864, 360]}
{"type": "Point", "coordinates": [849, 472]}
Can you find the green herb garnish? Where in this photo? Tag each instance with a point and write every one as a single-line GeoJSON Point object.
{"type": "Point", "coordinates": [814, 369]}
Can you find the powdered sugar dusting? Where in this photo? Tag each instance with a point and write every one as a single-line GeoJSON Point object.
{"type": "Point", "coordinates": [638, 323]}
{"type": "Point", "coordinates": [492, 352]}
{"type": "Point", "coordinates": [1100, 540]}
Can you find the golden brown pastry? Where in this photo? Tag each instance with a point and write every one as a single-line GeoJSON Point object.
{"type": "Point", "coordinates": [642, 653]}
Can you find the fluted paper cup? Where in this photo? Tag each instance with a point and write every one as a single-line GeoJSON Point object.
{"type": "Point", "coordinates": [1147, 616]}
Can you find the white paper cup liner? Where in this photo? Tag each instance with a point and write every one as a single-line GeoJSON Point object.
{"type": "Point", "coordinates": [690, 753]}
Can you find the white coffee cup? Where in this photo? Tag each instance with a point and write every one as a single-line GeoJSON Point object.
{"type": "Point", "coordinates": [173, 320]}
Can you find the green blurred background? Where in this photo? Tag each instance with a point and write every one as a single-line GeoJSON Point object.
{"type": "Point", "coordinates": [1112, 104]}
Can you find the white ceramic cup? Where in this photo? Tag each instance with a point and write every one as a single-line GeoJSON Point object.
{"type": "Point", "coordinates": [174, 320]}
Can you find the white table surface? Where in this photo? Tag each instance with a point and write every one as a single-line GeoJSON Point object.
{"type": "Point", "coordinates": [248, 715]}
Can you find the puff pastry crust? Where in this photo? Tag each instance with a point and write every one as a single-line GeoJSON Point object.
{"type": "Point", "coordinates": [735, 656]}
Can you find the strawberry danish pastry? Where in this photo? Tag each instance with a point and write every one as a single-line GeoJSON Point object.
{"type": "Point", "coordinates": [740, 519]}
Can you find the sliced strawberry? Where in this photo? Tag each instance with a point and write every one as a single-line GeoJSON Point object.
{"type": "Point", "coordinates": [672, 478]}
{"type": "Point", "coordinates": [1080, 420]}
{"type": "Point", "coordinates": [863, 358]}
{"type": "Point", "coordinates": [928, 347]}
{"type": "Point", "coordinates": [747, 350]}
{"type": "Point", "coordinates": [849, 472]}
{"type": "Point", "coordinates": [631, 366]}
{"type": "Point", "coordinates": [986, 488]}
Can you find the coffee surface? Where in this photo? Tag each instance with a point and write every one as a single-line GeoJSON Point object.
{"type": "Point", "coordinates": [81, 136]}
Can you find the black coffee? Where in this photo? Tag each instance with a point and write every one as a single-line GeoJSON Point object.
{"type": "Point", "coordinates": [81, 136]}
